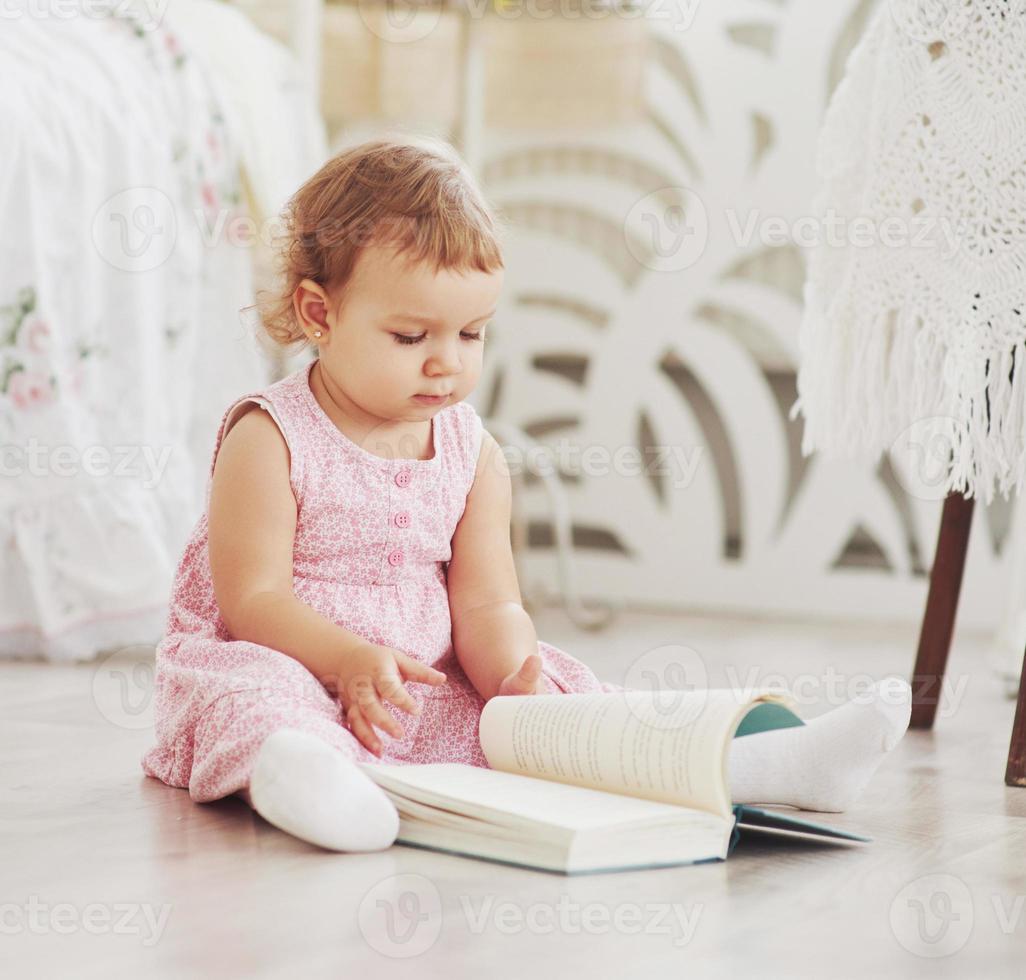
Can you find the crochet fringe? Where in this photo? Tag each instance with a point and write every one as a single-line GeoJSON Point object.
{"type": "Point", "coordinates": [892, 338]}
{"type": "Point", "coordinates": [861, 388]}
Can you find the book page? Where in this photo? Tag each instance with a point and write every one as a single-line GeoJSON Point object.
{"type": "Point", "coordinates": [669, 746]}
{"type": "Point", "coordinates": [458, 793]}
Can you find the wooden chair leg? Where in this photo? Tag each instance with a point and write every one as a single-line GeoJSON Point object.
{"type": "Point", "coordinates": [941, 606]}
{"type": "Point", "coordinates": [1015, 772]}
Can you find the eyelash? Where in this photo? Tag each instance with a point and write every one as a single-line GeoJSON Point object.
{"type": "Point", "coordinates": [403, 339]}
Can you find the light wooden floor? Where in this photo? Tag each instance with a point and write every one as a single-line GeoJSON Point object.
{"type": "Point", "coordinates": [93, 854]}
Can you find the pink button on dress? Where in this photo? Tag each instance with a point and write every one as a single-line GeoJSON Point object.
{"type": "Point", "coordinates": [359, 565]}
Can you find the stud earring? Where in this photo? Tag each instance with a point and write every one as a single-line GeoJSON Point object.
{"type": "Point", "coordinates": [317, 333]}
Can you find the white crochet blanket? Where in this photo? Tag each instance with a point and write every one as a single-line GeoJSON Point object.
{"type": "Point", "coordinates": [915, 302]}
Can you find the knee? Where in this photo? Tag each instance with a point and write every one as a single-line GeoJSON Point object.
{"type": "Point", "coordinates": [254, 713]}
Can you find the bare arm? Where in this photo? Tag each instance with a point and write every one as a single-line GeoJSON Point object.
{"type": "Point", "coordinates": [252, 526]}
{"type": "Point", "coordinates": [492, 634]}
{"type": "Point", "coordinates": [252, 530]}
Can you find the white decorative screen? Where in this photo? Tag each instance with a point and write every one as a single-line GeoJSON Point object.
{"type": "Point", "coordinates": [648, 339]}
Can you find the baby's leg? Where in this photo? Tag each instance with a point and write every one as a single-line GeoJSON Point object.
{"type": "Point", "coordinates": [826, 763]}
{"type": "Point", "coordinates": [822, 765]}
{"type": "Point", "coordinates": [293, 762]}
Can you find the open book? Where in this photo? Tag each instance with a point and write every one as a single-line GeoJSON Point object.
{"type": "Point", "coordinates": [596, 782]}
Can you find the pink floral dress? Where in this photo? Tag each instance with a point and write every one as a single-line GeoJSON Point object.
{"type": "Point", "coordinates": [373, 539]}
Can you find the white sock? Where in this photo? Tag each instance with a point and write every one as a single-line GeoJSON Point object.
{"type": "Point", "coordinates": [826, 763]}
{"type": "Point", "coordinates": [313, 791]}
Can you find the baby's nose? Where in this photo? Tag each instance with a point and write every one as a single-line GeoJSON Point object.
{"type": "Point", "coordinates": [448, 362]}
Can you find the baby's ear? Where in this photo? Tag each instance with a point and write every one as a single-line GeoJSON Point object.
{"type": "Point", "coordinates": [311, 305]}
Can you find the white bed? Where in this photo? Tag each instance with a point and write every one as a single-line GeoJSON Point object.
{"type": "Point", "coordinates": [124, 141]}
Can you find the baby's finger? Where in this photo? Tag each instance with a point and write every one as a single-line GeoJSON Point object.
{"type": "Point", "coordinates": [530, 669]}
{"type": "Point", "coordinates": [391, 688]}
{"type": "Point", "coordinates": [362, 730]}
{"type": "Point", "coordinates": [361, 691]}
{"type": "Point", "coordinates": [375, 713]}
{"type": "Point", "coordinates": [414, 670]}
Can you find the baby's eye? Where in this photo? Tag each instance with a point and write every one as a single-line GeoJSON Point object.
{"type": "Point", "coordinates": [402, 338]}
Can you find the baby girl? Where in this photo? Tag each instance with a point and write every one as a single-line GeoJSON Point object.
{"type": "Point", "coordinates": [352, 577]}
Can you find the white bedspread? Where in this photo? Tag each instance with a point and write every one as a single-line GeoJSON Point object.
{"type": "Point", "coordinates": [123, 147]}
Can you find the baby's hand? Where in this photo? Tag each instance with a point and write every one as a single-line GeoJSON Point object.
{"type": "Point", "coordinates": [372, 674]}
{"type": "Point", "coordinates": [527, 680]}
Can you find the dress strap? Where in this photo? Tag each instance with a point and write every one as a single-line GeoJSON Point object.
{"type": "Point", "coordinates": [278, 400]}
{"type": "Point", "coordinates": [468, 430]}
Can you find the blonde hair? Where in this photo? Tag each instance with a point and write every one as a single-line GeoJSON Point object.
{"type": "Point", "coordinates": [413, 193]}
